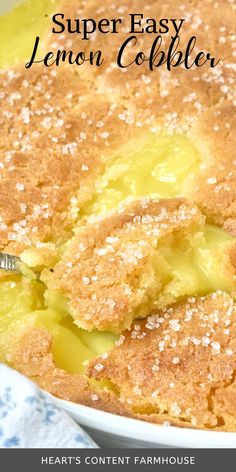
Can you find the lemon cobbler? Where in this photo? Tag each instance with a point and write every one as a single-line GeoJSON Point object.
{"type": "Point", "coordinates": [118, 193]}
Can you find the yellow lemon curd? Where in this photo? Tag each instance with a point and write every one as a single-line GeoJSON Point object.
{"type": "Point", "coordinates": [19, 27]}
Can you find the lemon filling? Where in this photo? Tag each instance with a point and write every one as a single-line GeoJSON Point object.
{"type": "Point", "coordinates": [181, 265]}
{"type": "Point", "coordinates": [22, 306]}
{"type": "Point", "coordinates": [25, 303]}
{"type": "Point", "coordinates": [152, 165]}
{"type": "Point", "coordinates": [18, 30]}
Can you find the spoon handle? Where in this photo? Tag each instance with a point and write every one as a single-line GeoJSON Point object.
{"type": "Point", "coordinates": [9, 262]}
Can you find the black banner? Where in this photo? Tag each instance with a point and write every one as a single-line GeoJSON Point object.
{"type": "Point", "coordinates": [98, 460]}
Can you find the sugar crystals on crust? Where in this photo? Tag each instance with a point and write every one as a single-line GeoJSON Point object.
{"type": "Point", "coordinates": [179, 364]}
{"type": "Point", "coordinates": [119, 267]}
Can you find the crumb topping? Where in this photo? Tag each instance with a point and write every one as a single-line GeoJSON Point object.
{"type": "Point", "coordinates": [192, 377]}
{"type": "Point", "coordinates": [114, 275]}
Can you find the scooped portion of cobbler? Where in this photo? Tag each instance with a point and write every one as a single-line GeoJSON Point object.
{"type": "Point", "coordinates": [143, 256]}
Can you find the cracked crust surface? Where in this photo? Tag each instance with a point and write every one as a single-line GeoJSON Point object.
{"type": "Point", "coordinates": [31, 355]}
{"type": "Point", "coordinates": [199, 103]}
{"type": "Point", "coordinates": [181, 95]}
{"type": "Point", "coordinates": [177, 367]}
{"type": "Point", "coordinates": [179, 364]}
{"type": "Point", "coordinates": [113, 269]}
{"type": "Point", "coordinates": [53, 118]}
{"type": "Point", "coordinates": [214, 189]}
{"type": "Point", "coordinates": [53, 145]}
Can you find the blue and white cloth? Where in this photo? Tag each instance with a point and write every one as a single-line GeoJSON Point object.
{"type": "Point", "coordinates": [29, 420]}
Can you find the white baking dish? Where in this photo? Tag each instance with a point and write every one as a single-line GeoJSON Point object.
{"type": "Point", "coordinates": [117, 431]}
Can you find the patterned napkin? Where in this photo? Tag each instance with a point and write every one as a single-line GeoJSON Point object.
{"type": "Point", "coordinates": [29, 420]}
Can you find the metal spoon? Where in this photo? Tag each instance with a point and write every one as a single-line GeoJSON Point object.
{"type": "Point", "coordinates": [9, 263]}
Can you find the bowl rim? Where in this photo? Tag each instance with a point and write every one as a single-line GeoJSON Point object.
{"type": "Point", "coordinates": [138, 430]}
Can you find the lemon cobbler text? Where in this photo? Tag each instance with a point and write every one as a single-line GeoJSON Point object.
{"type": "Point", "coordinates": [168, 47]}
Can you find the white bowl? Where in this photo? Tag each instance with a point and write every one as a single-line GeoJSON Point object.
{"type": "Point", "coordinates": [117, 431]}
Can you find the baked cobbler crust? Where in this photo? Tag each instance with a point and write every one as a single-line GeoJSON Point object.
{"type": "Point", "coordinates": [53, 142]}
{"type": "Point", "coordinates": [108, 268]}
{"type": "Point", "coordinates": [176, 367]}
{"type": "Point", "coordinates": [179, 362]}
{"type": "Point", "coordinates": [43, 119]}
{"type": "Point", "coordinates": [31, 355]}
{"type": "Point", "coordinates": [115, 270]}
{"type": "Point", "coordinates": [214, 189]}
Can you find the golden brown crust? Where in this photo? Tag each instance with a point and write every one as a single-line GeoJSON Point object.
{"type": "Point", "coordinates": [65, 143]}
{"type": "Point", "coordinates": [180, 363]}
{"type": "Point", "coordinates": [31, 354]}
{"type": "Point", "coordinates": [215, 185]}
{"type": "Point", "coordinates": [109, 272]}
{"type": "Point", "coordinates": [176, 367]}
{"type": "Point", "coordinates": [173, 99]}
{"type": "Point", "coordinates": [200, 101]}
{"type": "Point", "coordinates": [53, 143]}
